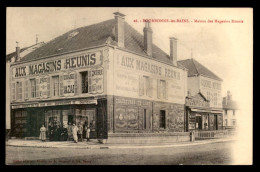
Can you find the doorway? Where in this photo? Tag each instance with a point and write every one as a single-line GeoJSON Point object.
{"type": "Point", "coordinates": [216, 122]}
{"type": "Point", "coordinates": [198, 122]}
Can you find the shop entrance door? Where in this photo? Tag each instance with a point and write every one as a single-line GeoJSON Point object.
{"type": "Point", "coordinates": [199, 122]}
{"type": "Point", "coordinates": [215, 122]}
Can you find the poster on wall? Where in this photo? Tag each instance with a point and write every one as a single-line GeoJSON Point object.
{"type": "Point", "coordinates": [43, 87]}
{"type": "Point", "coordinates": [68, 84]}
{"type": "Point", "coordinates": [97, 81]}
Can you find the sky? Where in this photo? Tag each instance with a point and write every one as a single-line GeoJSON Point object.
{"type": "Point", "coordinates": [226, 49]}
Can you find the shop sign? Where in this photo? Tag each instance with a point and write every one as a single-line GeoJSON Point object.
{"type": "Point", "coordinates": [69, 62]}
{"type": "Point", "coordinates": [128, 101]}
{"type": "Point", "coordinates": [196, 102]}
{"type": "Point", "coordinates": [55, 103]}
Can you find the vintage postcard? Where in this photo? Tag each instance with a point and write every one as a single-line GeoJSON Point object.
{"type": "Point", "coordinates": [129, 86]}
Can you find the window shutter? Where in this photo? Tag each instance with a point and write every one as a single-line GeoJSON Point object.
{"type": "Point", "coordinates": [89, 81]}
{"type": "Point", "coordinates": [26, 91]}
{"type": "Point", "coordinates": [151, 87]}
{"type": "Point", "coordinates": [141, 85]}
{"type": "Point", "coordinates": [61, 84]}
{"type": "Point", "coordinates": [158, 89]}
{"type": "Point", "coordinates": [37, 87]}
{"type": "Point", "coordinates": [76, 83]}
{"type": "Point", "coordinates": [166, 90]}
{"type": "Point", "coordinates": [13, 91]}
{"type": "Point", "coordinates": [49, 87]}
{"type": "Point", "coordinates": [21, 90]}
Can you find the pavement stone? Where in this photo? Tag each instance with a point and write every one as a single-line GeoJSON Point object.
{"type": "Point", "coordinates": [93, 144]}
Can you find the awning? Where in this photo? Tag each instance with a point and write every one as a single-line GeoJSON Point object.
{"type": "Point", "coordinates": [55, 103]}
{"type": "Point", "coordinates": [206, 110]}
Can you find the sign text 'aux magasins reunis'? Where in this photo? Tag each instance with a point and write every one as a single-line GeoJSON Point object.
{"type": "Point", "coordinates": [83, 60]}
{"type": "Point", "coordinates": [145, 66]}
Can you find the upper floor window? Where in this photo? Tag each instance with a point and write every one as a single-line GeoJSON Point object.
{"type": "Point", "coordinates": [208, 95]}
{"type": "Point", "coordinates": [163, 88]}
{"type": "Point", "coordinates": [145, 86]}
{"type": "Point", "coordinates": [234, 122]}
{"type": "Point", "coordinates": [55, 80]}
{"type": "Point", "coordinates": [234, 112]}
{"type": "Point", "coordinates": [33, 88]}
{"type": "Point", "coordinates": [19, 90]}
{"type": "Point", "coordinates": [84, 82]}
{"type": "Point", "coordinates": [215, 99]}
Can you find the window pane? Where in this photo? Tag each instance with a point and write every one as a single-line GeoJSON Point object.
{"type": "Point", "coordinates": [84, 82]}
{"type": "Point", "coordinates": [55, 85]}
{"type": "Point", "coordinates": [33, 88]}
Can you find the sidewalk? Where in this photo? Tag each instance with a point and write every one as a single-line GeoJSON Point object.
{"type": "Point", "coordinates": [93, 144]}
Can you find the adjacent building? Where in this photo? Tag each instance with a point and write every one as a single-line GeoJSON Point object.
{"type": "Point", "coordinates": [11, 58]}
{"type": "Point", "coordinates": [203, 103]}
{"type": "Point", "coordinates": [231, 111]}
{"type": "Point", "coordinates": [106, 75]}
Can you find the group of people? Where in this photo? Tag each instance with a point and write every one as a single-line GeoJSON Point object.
{"type": "Point", "coordinates": [59, 133]}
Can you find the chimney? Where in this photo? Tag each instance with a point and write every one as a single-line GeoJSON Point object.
{"type": "Point", "coordinates": [120, 29]}
{"type": "Point", "coordinates": [17, 52]}
{"type": "Point", "coordinates": [148, 39]}
{"type": "Point", "coordinates": [229, 95]}
{"type": "Point", "coordinates": [173, 50]}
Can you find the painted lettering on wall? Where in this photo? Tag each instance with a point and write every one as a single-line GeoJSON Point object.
{"type": "Point", "coordinates": [77, 61]}
{"type": "Point", "coordinates": [45, 67]}
{"type": "Point", "coordinates": [146, 66]}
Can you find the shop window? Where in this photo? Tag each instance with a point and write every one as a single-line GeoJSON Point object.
{"type": "Point", "coordinates": [55, 80]}
{"type": "Point", "coordinates": [84, 82]}
{"type": "Point", "coordinates": [33, 88]}
{"type": "Point", "coordinates": [162, 119]}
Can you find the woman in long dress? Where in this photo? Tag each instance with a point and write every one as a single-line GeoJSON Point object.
{"type": "Point", "coordinates": [74, 133]}
{"type": "Point", "coordinates": [69, 131]}
{"type": "Point", "coordinates": [42, 133]}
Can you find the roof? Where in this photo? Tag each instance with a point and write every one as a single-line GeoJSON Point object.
{"type": "Point", "coordinates": [230, 104]}
{"type": "Point", "coordinates": [95, 35]}
{"type": "Point", "coordinates": [195, 68]}
{"type": "Point", "coordinates": [22, 51]}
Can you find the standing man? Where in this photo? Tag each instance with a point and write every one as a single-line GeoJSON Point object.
{"type": "Point", "coordinates": [74, 133]}
{"type": "Point", "coordinates": [87, 133]}
{"type": "Point", "coordinates": [80, 131]}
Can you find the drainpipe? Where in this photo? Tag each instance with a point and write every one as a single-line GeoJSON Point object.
{"type": "Point", "coordinates": [113, 89]}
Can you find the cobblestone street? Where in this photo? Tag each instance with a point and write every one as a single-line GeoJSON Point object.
{"type": "Point", "coordinates": [206, 154]}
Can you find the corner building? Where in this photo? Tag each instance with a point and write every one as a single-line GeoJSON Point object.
{"type": "Point", "coordinates": [106, 75]}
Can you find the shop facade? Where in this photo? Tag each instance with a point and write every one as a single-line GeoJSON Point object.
{"type": "Point", "coordinates": [200, 116]}
{"type": "Point", "coordinates": [112, 86]}
{"type": "Point", "coordinates": [57, 89]}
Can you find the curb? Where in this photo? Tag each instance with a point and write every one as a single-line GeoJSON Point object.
{"type": "Point", "coordinates": [127, 147]}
